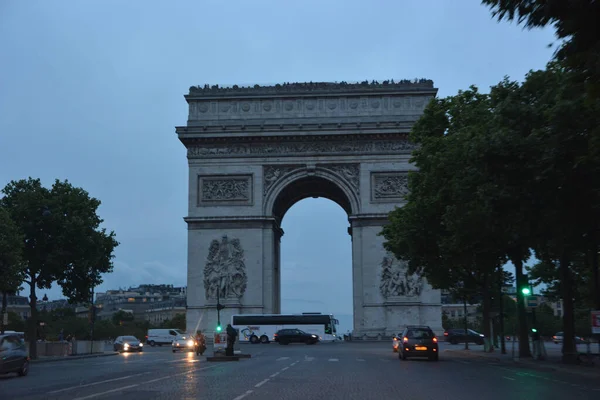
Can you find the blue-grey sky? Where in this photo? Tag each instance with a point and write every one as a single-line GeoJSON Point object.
{"type": "Point", "coordinates": [91, 91]}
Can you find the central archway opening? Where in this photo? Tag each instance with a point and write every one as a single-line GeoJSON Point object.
{"type": "Point", "coordinates": [315, 266]}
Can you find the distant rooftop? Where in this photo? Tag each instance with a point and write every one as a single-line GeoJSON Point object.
{"type": "Point", "coordinates": [311, 87]}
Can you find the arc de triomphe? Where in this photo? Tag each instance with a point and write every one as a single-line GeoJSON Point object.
{"type": "Point", "coordinates": [254, 152]}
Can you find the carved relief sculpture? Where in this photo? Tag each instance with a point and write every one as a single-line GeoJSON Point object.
{"type": "Point", "coordinates": [225, 271]}
{"type": "Point", "coordinates": [274, 173]}
{"type": "Point", "coordinates": [395, 280]}
{"type": "Point", "coordinates": [390, 186]}
{"type": "Point", "coordinates": [225, 188]}
{"type": "Point", "coordinates": [349, 172]}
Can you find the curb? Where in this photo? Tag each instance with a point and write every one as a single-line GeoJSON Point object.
{"type": "Point", "coordinates": [530, 363]}
{"type": "Point", "coordinates": [69, 358]}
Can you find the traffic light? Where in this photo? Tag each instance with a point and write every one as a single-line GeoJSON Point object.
{"type": "Point", "coordinates": [220, 306]}
{"type": "Point", "coordinates": [525, 290]}
{"type": "Point", "coordinates": [533, 330]}
{"type": "Point", "coordinates": [218, 328]}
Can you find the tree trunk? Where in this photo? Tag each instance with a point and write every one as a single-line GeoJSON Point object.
{"type": "Point", "coordinates": [466, 322]}
{"type": "Point", "coordinates": [488, 340]}
{"type": "Point", "coordinates": [596, 274]}
{"type": "Point", "coordinates": [569, 349]}
{"type": "Point", "coordinates": [32, 322]}
{"type": "Point", "coordinates": [524, 349]}
{"type": "Point", "coordinates": [4, 301]}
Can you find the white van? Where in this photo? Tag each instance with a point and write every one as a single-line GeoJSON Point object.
{"type": "Point", "coordinates": [163, 336]}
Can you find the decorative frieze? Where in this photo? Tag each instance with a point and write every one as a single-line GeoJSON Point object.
{"type": "Point", "coordinates": [389, 186]}
{"type": "Point", "coordinates": [261, 149]}
{"type": "Point", "coordinates": [230, 189]}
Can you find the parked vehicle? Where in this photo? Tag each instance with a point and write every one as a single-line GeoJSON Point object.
{"type": "Point", "coordinates": [455, 336]}
{"type": "Point", "coordinates": [128, 343]}
{"type": "Point", "coordinates": [558, 338]}
{"type": "Point", "coordinates": [163, 336]}
{"type": "Point", "coordinates": [418, 341]}
{"type": "Point", "coordinates": [13, 355]}
{"type": "Point", "coordinates": [287, 336]}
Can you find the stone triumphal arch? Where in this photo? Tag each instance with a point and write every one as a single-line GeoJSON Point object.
{"type": "Point", "coordinates": [255, 151]}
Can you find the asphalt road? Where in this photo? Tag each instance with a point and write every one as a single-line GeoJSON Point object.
{"type": "Point", "coordinates": [323, 371]}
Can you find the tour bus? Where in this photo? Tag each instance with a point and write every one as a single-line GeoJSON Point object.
{"type": "Point", "coordinates": [261, 328]}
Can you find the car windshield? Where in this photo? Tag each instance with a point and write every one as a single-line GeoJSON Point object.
{"type": "Point", "coordinates": [129, 338]}
{"type": "Point", "coordinates": [419, 334]}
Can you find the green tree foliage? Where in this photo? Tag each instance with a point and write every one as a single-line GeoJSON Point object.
{"type": "Point", "coordinates": [444, 231]}
{"type": "Point", "coordinates": [177, 322]}
{"type": "Point", "coordinates": [575, 22]}
{"type": "Point", "coordinates": [63, 241]}
{"type": "Point", "coordinates": [121, 317]}
{"type": "Point", "coordinates": [11, 251]}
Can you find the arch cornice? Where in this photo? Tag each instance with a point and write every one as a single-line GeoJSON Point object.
{"type": "Point", "coordinates": [345, 177]}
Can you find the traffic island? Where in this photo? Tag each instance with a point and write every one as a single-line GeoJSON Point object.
{"type": "Point", "coordinates": [222, 358]}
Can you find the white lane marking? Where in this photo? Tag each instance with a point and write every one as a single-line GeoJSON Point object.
{"type": "Point", "coordinates": [107, 392]}
{"type": "Point", "coordinates": [510, 379]}
{"type": "Point", "coordinates": [259, 384]}
{"type": "Point", "coordinates": [282, 358]}
{"type": "Point", "coordinates": [240, 397]}
{"type": "Point", "coordinates": [463, 362]}
{"type": "Point", "coordinates": [274, 375]}
{"type": "Point", "coordinates": [283, 369]}
{"type": "Point", "coordinates": [360, 359]}
{"type": "Point", "coordinates": [96, 383]}
{"type": "Point", "coordinates": [150, 381]}
{"type": "Point", "coordinates": [384, 360]}
{"type": "Point", "coordinates": [294, 363]}
{"type": "Point", "coordinates": [333, 359]}
{"type": "Point", "coordinates": [308, 358]}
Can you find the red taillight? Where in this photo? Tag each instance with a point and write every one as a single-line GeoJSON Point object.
{"type": "Point", "coordinates": [434, 340]}
{"type": "Point", "coordinates": [445, 333]}
{"type": "Point", "coordinates": [405, 339]}
{"type": "Point", "coordinates": [274, 335]}
{"type": "Point", "coordinates": [146, 336]}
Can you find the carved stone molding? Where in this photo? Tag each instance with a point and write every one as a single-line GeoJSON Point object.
{"type": "Point", "coordinates": [389, 186]}
{"type": "Point", "coordinates": [357, 147]}
{"type": "Point", "coordinates": [225, 189]}
{"type": "Point", "coordinates": [225, 270]}
{"type": "Point", "coordinates": [348, 172]}
{"type": "Point", "coordinates": [275, 173]}
{"type": "Point", "coordinates": [396, 283]}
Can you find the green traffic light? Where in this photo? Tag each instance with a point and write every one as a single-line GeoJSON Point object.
{"type": "Point", "coordinates": [533, 330]}
{"type": "Point", "coordinates": [218, 328]}
{"type": "Point", "coordinates": [525, 291]}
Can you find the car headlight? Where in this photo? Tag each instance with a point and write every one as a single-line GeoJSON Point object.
{"type": "Point", "coordinates": [314, 336]}
{"type": "Point", "coordinates": [481, 335]}
{"type": "Point", "coordinates": [190, 343]}
{"type": "Point", "coordinates": [141, 344]}
{"type": "Point", "coordinates": [126, 345]}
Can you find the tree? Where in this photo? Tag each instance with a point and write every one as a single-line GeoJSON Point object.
{"type": "Point", "coordinates": [121, 316]}
{"type": "Point", "coordinates": [177, 322]}
{"type": "Point", "coordinates": [62, 240]}
{"type": "Point", "coordinates": [575, 23]}
{"type": "Point", "coordinates": [556, 127]}
{"type": "Point", "coordinates": [438, 232]}
{"type": "Point", "coordinates": [11, 248]}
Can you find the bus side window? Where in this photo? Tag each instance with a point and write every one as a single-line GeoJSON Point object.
{"type": "Point", "coordinates": [328, 329]}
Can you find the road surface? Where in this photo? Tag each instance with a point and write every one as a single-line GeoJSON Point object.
{"type": "Point", "coordinates": [323, 371]}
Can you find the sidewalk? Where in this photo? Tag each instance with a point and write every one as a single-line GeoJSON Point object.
{"type": "Point", "coordinates": [551, 363]}
{"type": "Point", "coordinates": [69, 358]}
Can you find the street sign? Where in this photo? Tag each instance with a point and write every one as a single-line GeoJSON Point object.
{"type": "Point", "coordinates": [5, 319]}
{"type": "Point", "coordinates": [596, 322]}
{"type": "Point", "coordinates": [532, 301]}
{"type": "Point", "coordinates": [220, 341]}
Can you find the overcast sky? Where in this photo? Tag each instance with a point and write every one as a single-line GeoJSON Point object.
{"type": "Point", "coordinates": [91, 91]}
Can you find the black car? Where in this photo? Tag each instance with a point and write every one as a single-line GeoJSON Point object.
{"type": "Point", "coordinates": [418, 341]}
{"type": "Point", "coordinates": [13, 355]}
{"type": "Point", "coordinates": [287, 336]}
{"type": "Point", "coordinates": [128, 343]}
{"type": "Point", "coordinates": [455, 336]}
